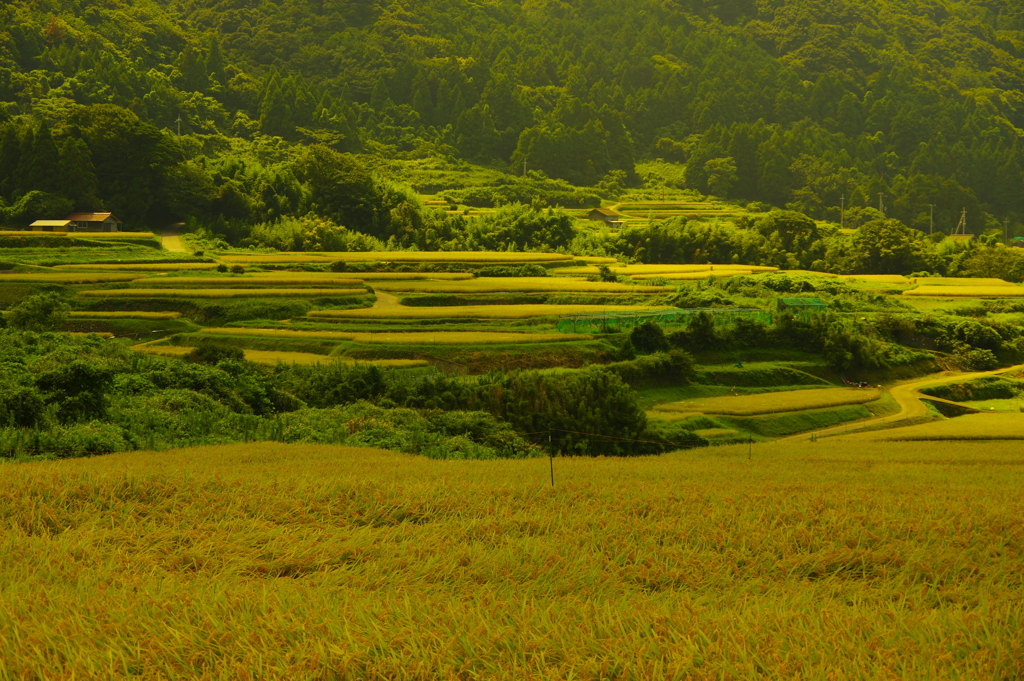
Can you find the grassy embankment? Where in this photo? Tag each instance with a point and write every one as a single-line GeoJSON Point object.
{"type": "Point", "coordinates": [807, 560]}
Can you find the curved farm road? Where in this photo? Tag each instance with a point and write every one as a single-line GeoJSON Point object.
{"type": "Point", "coordinates": [170, 239]}
{"type": "Point", "coordinates": [908, 397]}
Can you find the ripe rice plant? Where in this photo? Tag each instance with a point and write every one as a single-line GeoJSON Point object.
{"type": "Point", "coordinates": [250, 281]}
{"type": "Point", "coordinates": [773, 403]}
{"type": "Point", "coordinates": [878, 278]}
{"type": "Point", "coordinates": [692, 276]}
{"type": "Point", "coordinates": [370, 276]}
{"type": "Point", "coordinates": [403, 338]}
{"type": "Point", "coordinates": [958, 281]}
{"type": "Point", "coordinates": [224, 293]}
{"type": "Point", "coordinates": [169, 266]}
{"type": "Point", "coordinates": [809, 560]}
{"type": "Point", "coordinates": [1010, 291]}
{"type": "Point", "coordinates": [471, 311]}
{"type": "Point", "coordinates": [992, 426]}
{"type": "Point", "coordinates": [126, 314]}
{"type": "Point", "coordinates": [279, 356]}
{"type": "Point", "coordinates": [113, 236]}
{"type": "Point", "coordinates": [66, 278]}
{"type": "Point", "coordinates": [664, 270]}
{"type": "Point", "coordinates": [488, 257]}
{"type": "Point", "coordinates": [525, 284]}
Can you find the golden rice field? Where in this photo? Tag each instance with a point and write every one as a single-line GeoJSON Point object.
{"type": "Point", "coordinates": [524, 284]}
{"type": "Point", "coordinates": [486, 257]}
{"type": "Point", "coordinates": [243, 281]}
{"type": "Point", "coordinates": [630, 270]}
{"type": "Point", "coordinates": [82, 235]}
{"type": "Point", "coordinates": [878, 278]}
{"type": "Point", "coordinates": [773, 403]}
{"type": "Point", "coordinates": [472, 311]}
{"type": "Point", "coordinates": [693, 276]}
{"type": "Point", "coordinates": [302, 562]}
{"type": "Point", "coordinates": [991, 426]}
{"type": "Point", "coordinates": [405, 337]}
{"type": "Point", "coordinates": [66, 278]}
{"type": "Point", "coordinates": [965, 291]}
{"type": "Point", "coordinates": [124, 314]}
{"type": "Point", "coordinates": [224, 292]}
{"type": "Point", "coordinates": [169, 266]}
{"type": "Point", "coordinates": [957, 281]}
{"type": "Point", "coordinates": [274, 356]}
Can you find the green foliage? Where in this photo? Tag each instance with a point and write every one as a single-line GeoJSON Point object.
{"type": "Point", "coordinates": [648, 337]}
{"type": "Point", "coordinates": [41, 312]}
{"type": "Point", "coordinates": [209, 353]}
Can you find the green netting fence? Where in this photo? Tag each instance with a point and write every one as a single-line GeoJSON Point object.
{"type": "Point", "coordinates": [614, 322]}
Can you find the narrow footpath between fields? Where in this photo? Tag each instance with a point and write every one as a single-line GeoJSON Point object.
{"type": "Point", "coordinates": [171, 241]}
{"type": "Point", "coordinates": [907, 395]}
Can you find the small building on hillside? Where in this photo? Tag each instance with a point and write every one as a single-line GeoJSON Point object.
{"type": "Point", "coordinates": [606, 215]}
{"type": "Point", "coordinates": [94, 222]}
{"type": "Point", "coordinates": [52, 226]}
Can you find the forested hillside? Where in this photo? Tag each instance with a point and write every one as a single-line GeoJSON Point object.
{"type": "Point", "coordinates": [790, 102]}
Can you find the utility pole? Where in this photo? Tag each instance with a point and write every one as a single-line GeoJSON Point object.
{"type": "Point", "coordinates": [842, 211]}
{"type": "Point", "coordinates": [880, 208]}
{"type": "Point", "coordinates": [524, 167]}
{"type": "Point", "coordinates": [1006, 231]}
{"type": "Point", "coordinates": [179, 127]}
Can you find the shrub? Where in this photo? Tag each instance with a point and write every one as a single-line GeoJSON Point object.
{"type": "Point", "coordinates": [648, 337]}
{"type": "Point", "coordinates": [237, 269]}
{"type": "Point", "coordinates": [20, 406]}
{"type": "Point", "coordinates": [209, 353]}
{"type": "Point", "coordinates": [222, 268]}
{"type": "Point", "coordinates": [43, 312]}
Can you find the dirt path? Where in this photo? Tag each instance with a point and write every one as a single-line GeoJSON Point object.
{"type": "Point", "coordinates": [908, 397]}
{"type": "Point", "coordinates": [171, 241]}
{"type": "Point", "coordinates": [386, 300]}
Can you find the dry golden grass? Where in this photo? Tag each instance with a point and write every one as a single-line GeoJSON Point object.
{"type": "Point", "coordinates": [169, 266]}
{"type": "Point", "coordinates": [302, 562]}
{"type": "Point", "coordinates": [993, 426]}
{"type": "Point", "coordinates": [410, 337]}
{"type": "Point", "coordinates": [1010, 291]}
{"type": "Point", "coordinates": [119, 314]}
{"type": "Point", "coordinates": [472, 311]}
{"type": "Point", "coordinates": [524, 284]}
{"type": "Point", "coordinates": [224, 293]}
{"type": "Point", "coordinates": [486, 257]}
{"type": "Point", "coordinates": [773, 403]}
{"type": "Point", "coordinates": [66, 278]}
{"type": "Point", "coordinates": [959, 281]}
{"type": "Point", "coordinates": [299, 281]}
{"type": "Point", "coordinates": [274, 356]}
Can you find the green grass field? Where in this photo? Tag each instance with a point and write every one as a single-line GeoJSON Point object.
{"type": "Point", "coordinates": [483, 257]}
{"type": "Point", "coordinates": [897, 561]}
{"type": "Point", "coordinates": [223, 293]}
{"type": "Point", "coordinates": [298, 281]}
{"type": "Point", "coordinates": [967, 291]}
{"type": "Point", "coordinates": [526, 284]}
{"type": "Point", "coordinates": [773, 402]}
{"type": "Point", "coordinates": [401, 338]}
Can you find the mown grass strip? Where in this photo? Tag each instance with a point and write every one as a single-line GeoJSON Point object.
{"type": "Point", "coordinates": [224, 293]}
{"type": "Point", "coordinates": [402, 256]}
{"type": "Point", "coordinates": [252, 281]}
{"type": "Point", "coordinates": [472, 311]}
{"type": "Point", "coordinates": [404, 338]}
{"type": "Point", "coordinates": [125, 314]}
{"type": "Point", "coordinates": [774, 403]}
{"type": "Point", "coordinates": [524, 284]}
{"type": "Point", "coordinates": [1010, 291]}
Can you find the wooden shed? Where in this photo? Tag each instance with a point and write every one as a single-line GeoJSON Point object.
{"type": "Point", "coordinates": [606, 215]}
{"type": "Point", "coordinates": [94, 222]}
{"type": "Point", "coordinates": [52, 226]}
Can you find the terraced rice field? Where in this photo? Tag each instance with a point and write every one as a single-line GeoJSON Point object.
{"type": "Point", "coordinates": [253, 281]}
{"type": "Point", "coordinates": [272, 357]}
{"type": "Point", "coordinates": [169, 266]}
{"type": "Point", "coordinates": [964, 291]}
{"type": "Point", "coordinates": [630, 270]}
{"type": "Point", "coordinates": [991, 426]}
{"type": "Point", "coordinates": [773, 403]}
{"type": "Point", "coordinates": [403, 338]}
{"type": "Point", "coordinates": [472, 311]}
{"type": "Point", "coordinates": [878, 278]}
{"type": "Point", "coordinates": [224, 293]}
{"type": "Point", "coordinates": [82, 235]}
{"type": "Point", "coordinates": [957, 281]}
{"type": "Point", "coordinates": [484, 257]}
{"type": "Point", "coordinates": [66, 278]}
{"type": "Point", "coordinates": [124, 314]}
{"type": "Point", "coordinates": [523, 284]}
